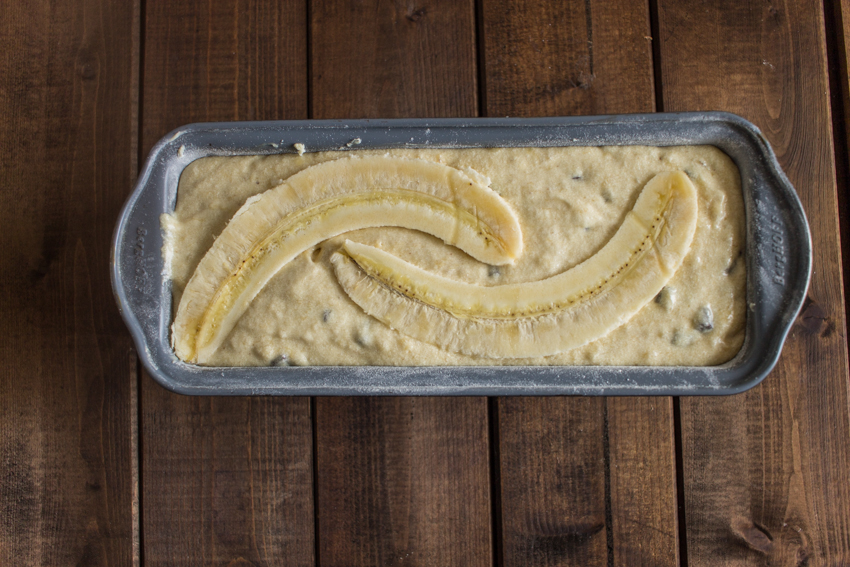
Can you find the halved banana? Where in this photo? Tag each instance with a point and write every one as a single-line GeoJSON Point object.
{"type": "Point", "coordinates": [321, 202]}
{"type": "Point", "coordinates": [538, 318]}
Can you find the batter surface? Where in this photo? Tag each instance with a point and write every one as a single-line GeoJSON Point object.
{"type": "Point", "coordinates": [570, 202]}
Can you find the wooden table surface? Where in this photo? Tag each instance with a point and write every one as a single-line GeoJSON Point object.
{"type": "Point", "coordinates": [101, 466]}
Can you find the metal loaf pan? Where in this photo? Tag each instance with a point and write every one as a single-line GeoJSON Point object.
{"type": "Point", "coordinates": [778, 255]}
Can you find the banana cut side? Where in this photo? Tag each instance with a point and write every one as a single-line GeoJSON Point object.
{"type": "Point", "coordinates": [538, 318]}
{"type": "Point", "coordinates": [324, 201]}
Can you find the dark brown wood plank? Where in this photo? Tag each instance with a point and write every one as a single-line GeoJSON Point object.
{"type": "Point", "coordinates": [642, 472]}
{"type": "Point", "coordinates": [552, 481]}
{"type": "Point", "coordinates": [401, 481]}
{"type": "Point", "coordinates": [68, 91]}
{"type": "Point", "coordinates": [584, 481]}
{"type": "Point", "coordinates": [548, 58]}
{"type": "Point", "coordinates": [224, 481]}
{"type": "Point", "coordinates": [393, 59]}
{"type": "Point", "coordinates": [765, 473]}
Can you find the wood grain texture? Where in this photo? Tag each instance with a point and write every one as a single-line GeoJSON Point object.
{"type": "Point", "coordinates": [225, 481]}
{"type": "Point", "coordinates": [230, 60]}
{"type": "Point", "coordinates": [588, 482]}
{"type": "Point", "coordinates": [393, 59]}
{"type": "Point", "coordinates": [766, 472]}
{"type": "Point", "coordinates": [642, 482]}
{"type": "Point", "coordinates": [549, 58]}
{"type": "Point", "coordinates": [553, 481]}
{"type": "Point", "coordinates": [68, 91]}
{"type": "Point", "coordinates": [401, 481]}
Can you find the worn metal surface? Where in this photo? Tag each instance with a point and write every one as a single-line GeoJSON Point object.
{"type": "Point", "coordinates": [778, 255]}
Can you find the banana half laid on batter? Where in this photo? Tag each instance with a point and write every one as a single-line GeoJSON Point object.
{"type": "Point", "coordinates": [321, 202]}
{"type": "Point", "coordinates": [538, 318]}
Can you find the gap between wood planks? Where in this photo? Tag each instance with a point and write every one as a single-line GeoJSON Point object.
{"type": "Point", "coordinates": [658, 85]}
{"type": "Point", "coordinates": [837, 20]}
{"type": "Point", "coordinates": [138, 74]}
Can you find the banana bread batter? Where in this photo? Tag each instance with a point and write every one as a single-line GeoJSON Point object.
{"type": "Point", "coordinates": [570, 202]}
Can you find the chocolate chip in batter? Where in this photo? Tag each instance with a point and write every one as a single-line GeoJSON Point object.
{"type": "Point", "coordinates": [704, 319]}
{"type": "Point", "coordinates": [363, 337]}
{"type": "Point", "coordinates": [683, 337]}
{"type": "Point", "coordinates": [733, 264]}
{"type": "Point", "coordinates": [666, 298]}
{"type": "Point", "coordinates": [676, 339]}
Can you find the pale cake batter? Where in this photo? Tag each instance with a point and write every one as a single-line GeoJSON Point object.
{"type": "Point", "coordinates": [570, 201]}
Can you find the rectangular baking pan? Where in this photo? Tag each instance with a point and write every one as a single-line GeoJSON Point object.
{"type": "Point", "coordinates": [778, 255]}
